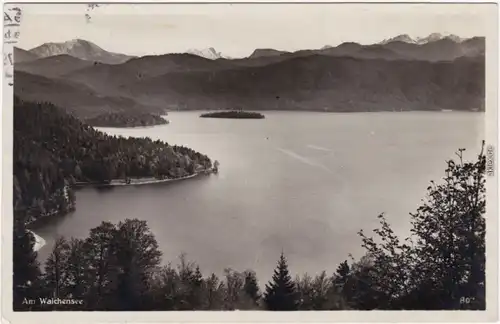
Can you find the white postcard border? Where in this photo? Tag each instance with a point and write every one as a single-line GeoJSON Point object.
{"type": "Point", "coordinates": [491, 314]}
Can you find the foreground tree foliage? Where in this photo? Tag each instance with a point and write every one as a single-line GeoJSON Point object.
{"type": "Point", "coordinates": [118, 266]}
{"type": "Point", "coordinates": [443, 260]}
{"type": "Point", "coordinates": [111, 270]}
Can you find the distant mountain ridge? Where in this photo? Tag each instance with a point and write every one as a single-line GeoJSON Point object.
{"type": "Point", "coordinates": [435, 47]}
{"type": "Point", "coordinates": [89, 51]}
{"type": "Point", "coordinates": [53, 66]}
{"type": "Point", "coordinates": [323, 83]}
{"type": "Point", "coordinates": [440, 73]}
{"type": "Point", "coordinates": [81, 49]}
{"type": "Point", "coordinates": [76, 98]}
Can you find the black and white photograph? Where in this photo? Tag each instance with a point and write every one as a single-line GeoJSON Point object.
{"type": "Point", "coordinates": [259, 157]}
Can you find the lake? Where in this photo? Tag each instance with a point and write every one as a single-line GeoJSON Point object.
{"type": "Point", "coordinates": [303, 183]}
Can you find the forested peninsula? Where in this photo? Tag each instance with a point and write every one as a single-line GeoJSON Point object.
{"type": "Point", "coordinates": [53, 151]}
{"type": "Point", "coordinates": [126, 120]}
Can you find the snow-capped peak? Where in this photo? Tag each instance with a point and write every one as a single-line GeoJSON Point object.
{"type": "Point", "coordinates": [434, 37]}
{"type": "Point", "coordinates": [405, 38]}
{"type": "Point", "coordinates": [422, 40]}
{"type": "Point", "coordinates": [431, 38]}
{"type": "Point", "coordinates": [74, 45]}
{"type": "Point", "coordinates": [455, 38]}
{"type": "Point", "coordinates": [208, 53]}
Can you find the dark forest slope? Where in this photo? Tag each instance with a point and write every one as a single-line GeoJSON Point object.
{"type": "Point", "coordinates": [76, 98]}
{"type": "Point", "coordinates": [53, 66]}
{"type": "Point", "coordinates": [320, 82]}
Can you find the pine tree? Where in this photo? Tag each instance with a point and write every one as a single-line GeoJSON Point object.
{"type": "Point", "coordinates": [195, 285]}
{"type": "Point", "coordinates": [280, 293]}
{"type": "Point", "coordinates": [251, 287]}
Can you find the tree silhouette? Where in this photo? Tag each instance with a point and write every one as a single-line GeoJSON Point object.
{"type": "Point", "coordinates": [135, 257]}
{"type": "Point", "coordinates": [26, 277]}
{"type": "Point", "coordinates": [251, 286]}
{"type": "Point", "coordinates": [341, 275]}
{"type": "Point", "coordinates": [56, 274]}
{"type": "Point", "coordinates": [280, 293]}
{"type": "Point", "coordinates": [98, 253]}
{"type": "Point", "coordinates": [444, 258]}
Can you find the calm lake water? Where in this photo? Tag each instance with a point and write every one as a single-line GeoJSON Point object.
{"type": "Point", "coordinates": [304, 183]}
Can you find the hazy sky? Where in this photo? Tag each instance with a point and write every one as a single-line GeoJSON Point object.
{"type": "Point", "coordinates": [236, 30]}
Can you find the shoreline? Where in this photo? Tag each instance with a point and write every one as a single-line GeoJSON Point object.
{"type": "Point", "coordinates": [337, 112]}
{"type": "Point", "coordinates": [140, 181]}
{"type": "Point", "coordinates": [131, 127]}
{"type": "Point", "coordinates": [163, 117]}
{"type": "Point", "coordinates": [39, 241]}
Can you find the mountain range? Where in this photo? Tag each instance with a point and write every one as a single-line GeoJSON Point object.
{"type": "Point", "coordinates": [208, 53]}
{"type": "Point", "coordinates": [435, 73]}
{"type": "Point", "coordinates": [78, 48]}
